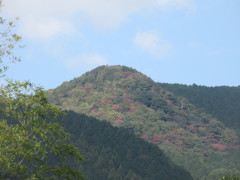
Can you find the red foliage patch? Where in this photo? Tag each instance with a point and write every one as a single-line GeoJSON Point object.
{"type": "Point", "coordinates": [154, 142]}
{"type": "Point", "coordinates": [127, 74]}
{"type": "Point", "coordinates": [88, 87]}
{"type": "Point", "coordinates": [157, 139]}
{"type": "Point", "coordinates": [212, 139]}
{"type": "Point", "coordinates": [144, 137]}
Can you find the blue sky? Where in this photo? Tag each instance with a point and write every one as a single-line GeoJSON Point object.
{"type": "Point", "coordinates": [173, 41]}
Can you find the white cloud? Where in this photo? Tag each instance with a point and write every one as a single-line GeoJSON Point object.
{"type": "Point", "coordinates": [151, 43]}
{"type": "Point", "coordinates": [45, 29]}
{"type": "Point", "coordinates": [49, 18]}
{"type": "Point", "coordinates": [85, 61]}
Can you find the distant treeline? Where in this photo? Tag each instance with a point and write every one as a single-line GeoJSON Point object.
{"type": "Point", "coordinates": [222, 102]}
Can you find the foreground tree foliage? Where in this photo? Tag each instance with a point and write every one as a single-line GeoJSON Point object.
{"type": "Point", "coordinates": [9, 40]}
{"type": "Point", "coordinates": [29, 143]}
{"type": "Point", "coordinates": [30, 146]}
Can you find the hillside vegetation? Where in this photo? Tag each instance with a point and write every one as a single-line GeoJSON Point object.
{"type": "Point", "coordinates": [126, 98]}
{"type": "Point", "coordinates": [222, 102]}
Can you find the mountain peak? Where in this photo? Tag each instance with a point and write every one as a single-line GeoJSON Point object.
{"type": "Point", "coordinates": [117, 70]}
{"type": "Point", "coordinates": [100, 76]}
{"type": "Point", "coordinates": [115, 67]}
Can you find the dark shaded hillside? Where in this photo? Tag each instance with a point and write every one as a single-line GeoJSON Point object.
{"type": "Point", "coordinates": [127, 98]}
{"type": "Point", "coordinates": [115, 153]}
{"type": "Point", "coordinates": [112, 153]}
{"type": "Point", "coordinates": [222, 102]}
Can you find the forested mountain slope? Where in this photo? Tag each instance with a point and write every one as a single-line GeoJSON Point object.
{"type": "Point", "coordinates": [112, 153]}
{"type": "Point", "coordinates": [126, 98]}
{"type": "Point", "coordinates": [222, 102]}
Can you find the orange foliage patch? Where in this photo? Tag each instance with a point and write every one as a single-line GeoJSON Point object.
{"type": "Point", "coordinates": [105, 101]}
{"type": "Point", "coordinates": [219, 147]}
{"type": "Point", "coordinates": [116, 107]}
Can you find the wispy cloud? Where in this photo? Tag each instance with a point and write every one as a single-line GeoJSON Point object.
{"type": "Point", "coordinates": [188, 4]}
{"type": "Point", "coordinates": [49, 18]}
{"type": "Point", "coordinates": [150, 42]}
{"type": "Point", "coordinates": [85, 61]}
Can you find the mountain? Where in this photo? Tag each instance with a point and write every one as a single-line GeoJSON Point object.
{"type": "Point", "coordinates": [112, 153]}
{"type": "Point", "coordinates": [127, 98]}
{"type": "Point", "coordinates": [221, 102]}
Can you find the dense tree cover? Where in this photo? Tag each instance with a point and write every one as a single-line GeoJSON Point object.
{"type": "Point", "coordinates": [27, 140]}
{"type": "Point", "coordinates": [129, 99]}
{"type": "Point", "coordinates": [116, 153]}
{"type": "Point", "coordinates": [222, 102]}
{"type": "Point", "coordinates": [230, 177]}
